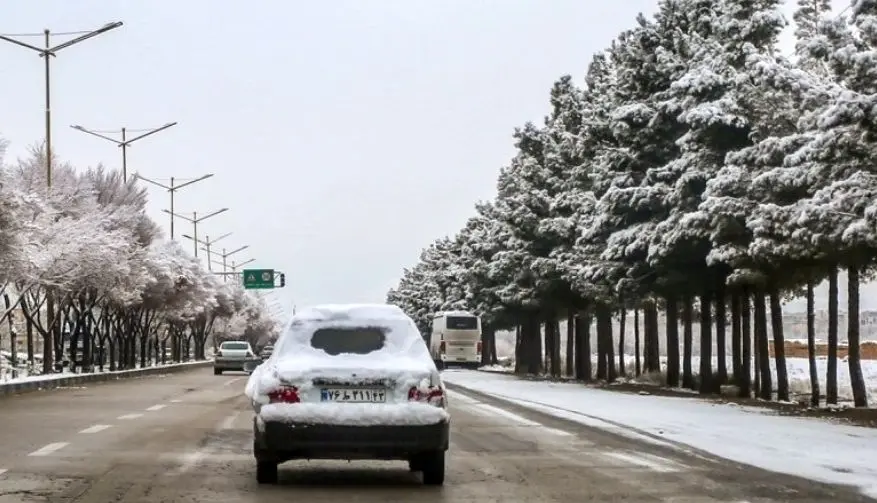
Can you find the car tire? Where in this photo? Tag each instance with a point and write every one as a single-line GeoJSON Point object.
{"type": "Point", "coordinates": [415, 465]}
{"type": "Point", "coordinates": [266, 472]}
{"type": "Point", "coordinates": [433, 466]}
{"type": "Point", "coordinates": [217, 372]}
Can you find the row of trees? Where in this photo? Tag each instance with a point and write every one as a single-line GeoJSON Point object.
{"type": "Point", "coordinates": [87, 272]}
{"type": "Point", "coordinates": [698, 171]}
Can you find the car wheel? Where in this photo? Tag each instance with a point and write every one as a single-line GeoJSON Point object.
{"type": "Point", "coordinates": [266, 472]}
{"type": "Point", "coordinates": [433, 467]}
{"type": "Point", "coordinates": [217, 372]}
{"type": "Point", "coordinates": [414, 465]}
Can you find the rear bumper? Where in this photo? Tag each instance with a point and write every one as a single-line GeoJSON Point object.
{"type": "Point", "coordinates": [286, 441]}
{"type": "Point", "coordinates": [232, 364]}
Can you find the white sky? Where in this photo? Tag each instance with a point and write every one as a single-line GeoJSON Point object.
{"type": "Point", "coordinates": [345, 136]}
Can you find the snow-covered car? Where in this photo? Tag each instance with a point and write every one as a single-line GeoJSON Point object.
{"type": "Point", "coordinates": [266, 352]}
{"type": "Point", "coordinates": [234, 355]}
{"type": "Point", "coordinates": [350, 382]}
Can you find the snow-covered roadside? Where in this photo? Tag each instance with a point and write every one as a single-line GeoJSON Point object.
{"type": "Point", "coordinates": [66, 375]}
{"type": "Point", "coordinates": [798, 371]}
{"type": "Point", "coordinates": [809, 448]}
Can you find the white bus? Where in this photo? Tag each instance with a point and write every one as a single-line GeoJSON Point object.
{"type": "Point", "coordinates": [456, 339]}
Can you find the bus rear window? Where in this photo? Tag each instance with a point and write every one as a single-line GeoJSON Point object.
{"type": "Point", "coordinates": [462, 323]}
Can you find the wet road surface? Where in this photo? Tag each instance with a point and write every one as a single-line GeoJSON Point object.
{"type": "Point", "coordinates": [187, 438]}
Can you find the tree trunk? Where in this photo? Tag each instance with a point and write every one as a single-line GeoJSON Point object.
{"type": "Point", "coordinates": [653, 349]}
{"type": "Point", "coordinates": [622, 327]}
{"type": "Point", "coordinates": [721, 343]}
{"type": "Point", "coordinates": [602, 366]}
{"type": "Point", "coordinates": [672, 342]}
{"type": "Point", "coordinates": [736, 336]}
{"type": "Point", "coordinates": [687, 341]}
{"type": "Point", "coordinates": [636, 339]}
{"type": "Point", "coordinates": [831, 378]}
{"type": "Point", "coordinates": [745, 382]}
{"type": "Point", "coordinates": [706, 343]}
{"type": "Point", "coordinates": [583, 346]}
{"type": "Point", "coordinates": [811, 344]}
{"type": "Point", "coordinates": [570, 343]}
{"type": "Point", "coordinates": [605, 339]}
{"type": "Point", "coordinates": [766, 386]}
{"type": "Point", "coordinates": [779, 343]}
{"type": "Point", "coordinates": [854, 359]}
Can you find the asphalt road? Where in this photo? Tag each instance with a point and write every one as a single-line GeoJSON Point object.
{"type": "Point", "coordinates": [187, 438]}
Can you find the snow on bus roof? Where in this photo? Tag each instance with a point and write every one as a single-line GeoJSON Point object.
{"type": "Point", "coordinates": [452, 313]}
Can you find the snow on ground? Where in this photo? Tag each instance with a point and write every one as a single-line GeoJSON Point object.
{"type": "Point", "coordinates": [6, 379]}
{"type": "Point", "coordinates": [809, 448]}
{"type": "Point", "coordinates": [798, 370]}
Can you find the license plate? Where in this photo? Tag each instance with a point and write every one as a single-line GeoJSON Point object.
{"type": "Point", "coordinates": [460, 359]}
{"type": "Point", "coordinates": [348, 395]}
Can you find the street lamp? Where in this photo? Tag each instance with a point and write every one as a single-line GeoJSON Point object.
{"type": "Point", "coordinates": [235, 266]}
{"type": "Point", "coordinates": [172, 189]}
{"type": "Point", "coordinates": [125, 142]}
{"type": "Point", "coordinates": [195, 220]}
{"type": "Point", "coordinates": [207, 243]}
{"type": "Point", "coordinates": [225, 256]}
{"type": "Point", "coordinates": [45, 53]}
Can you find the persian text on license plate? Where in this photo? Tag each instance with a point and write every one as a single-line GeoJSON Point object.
{"type": "Point", "coordinates": [353, 395]}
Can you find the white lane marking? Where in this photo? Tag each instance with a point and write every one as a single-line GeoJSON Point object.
{"type": "Point", "coordinates": [129, 416]}
{"type": "Point", "coordinates": [48, 449]}
{"type": "Point", "coordinates": [229, 383]}
{"type": "Point", "coordinates": [490, 410]}
{"type": "Point", "coordinates": [96, 428]}
{"type": "Point", "coordinates": [656, 464]}
{"type": "Point", "coordinates": [496, 411]}
{"type": "Point", "coordinates": [3, 470]}
{"type": "Point", "coordinates": [459, 397]}
{"type": "Point", "coordinates": [176, 400]}
{"type": "Point", "coordinates": [156, 407]}
{"type": "Point", "coordinates": [228, 422]}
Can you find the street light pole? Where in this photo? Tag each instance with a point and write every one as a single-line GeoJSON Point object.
{"type": "Point", "coordinates": [225, 256]}
{"type": "Point", "coordinates": [195, 220]}
{"type": "Point", "coordinates": [125, 143]}
{"type": "Point", "coordinates": [171, 190]}
{"type": "Point", "coordinates": [47, 52]}
{"type": "Point", "coordinates": [207, 243]}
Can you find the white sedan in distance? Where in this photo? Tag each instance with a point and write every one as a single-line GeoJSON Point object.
{"type": "Point", "coordinates": [350, 382]}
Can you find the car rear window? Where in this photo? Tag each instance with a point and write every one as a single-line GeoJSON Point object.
{"type": "Point", "coordinates": [233, 345]}
{"type": "Point", "coordinates": [350, 340]}
{"type": "Point", "coordinates": [462, 323]}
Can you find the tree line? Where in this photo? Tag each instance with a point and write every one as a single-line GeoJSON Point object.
{"type": "Point", "coordinates": [87, 272]}
{"type": "Point", "coordinates": [698, 170]}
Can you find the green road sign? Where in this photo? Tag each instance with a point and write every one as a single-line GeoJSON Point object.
{"type": "Point", "coordinates": [258, 278]}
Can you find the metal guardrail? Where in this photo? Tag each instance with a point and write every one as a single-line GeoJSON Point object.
{"type": "Point", "coordinates": [19, 387]}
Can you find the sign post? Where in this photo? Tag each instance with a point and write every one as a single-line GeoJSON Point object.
{"type": "Point", "coordinates": [258, 279]}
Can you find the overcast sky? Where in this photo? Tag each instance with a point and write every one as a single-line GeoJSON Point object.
{"type": "Point", "coordinates": [344, 136]}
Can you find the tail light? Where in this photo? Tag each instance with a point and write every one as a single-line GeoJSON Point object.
{"type": "Point", "coordinates": [478, 347]}
{"type": "Point", "coordinates": [287, 394]}
{"type": "Point", "coordinates": [442, 347]}
{"type": "Point", "coordinates": [434, 395]}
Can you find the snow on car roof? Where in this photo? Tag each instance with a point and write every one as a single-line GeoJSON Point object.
{"type": "Point", "coordinates": [351, 311]}
{"type": "Point", "coordinates": [402, 336]}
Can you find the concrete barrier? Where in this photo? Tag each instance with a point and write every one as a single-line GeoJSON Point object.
{"type": "Point", "coordinates": [51, 382]}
